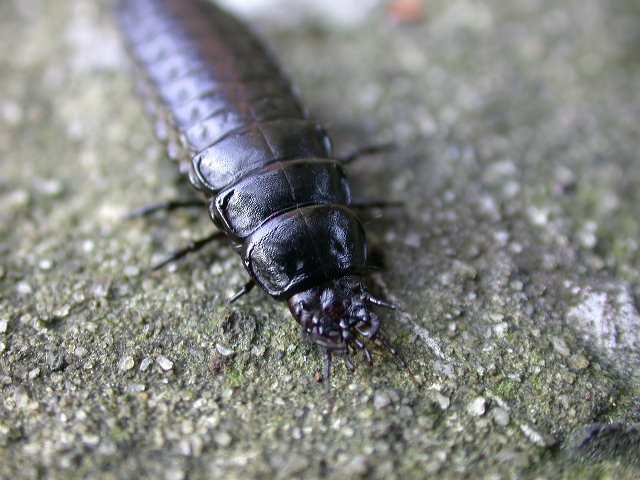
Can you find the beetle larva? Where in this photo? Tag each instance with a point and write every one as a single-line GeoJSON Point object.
{"type": "Point", "coordinates": [231, 119]}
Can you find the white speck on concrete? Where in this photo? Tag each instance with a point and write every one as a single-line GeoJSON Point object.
{"type": "Point", "coordinates": [164, 363]}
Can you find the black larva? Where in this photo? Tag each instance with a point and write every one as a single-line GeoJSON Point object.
{"type": "Point", "coordinates": [232, 120]}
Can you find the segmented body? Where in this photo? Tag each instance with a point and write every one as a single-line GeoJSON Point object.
{"type": "Point", "coordinates": [234, 123]}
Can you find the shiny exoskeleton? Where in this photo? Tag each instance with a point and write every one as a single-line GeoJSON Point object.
{"type": "Point", "coordinates": [232, 120]}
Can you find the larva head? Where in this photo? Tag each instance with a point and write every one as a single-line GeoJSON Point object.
{"type": "Point", "coordinates": [336, 314]}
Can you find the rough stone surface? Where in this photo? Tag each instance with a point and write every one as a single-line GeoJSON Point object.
{"type": "Point", "coordinates": [515, 252]}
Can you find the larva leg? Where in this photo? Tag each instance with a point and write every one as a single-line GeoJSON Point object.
{"type": "Point", "coordinates": [169, 205]}
{"type": "Point", "coordinates": [246, 288]}
{"type": "Point", "coordinates": [192, 246]}
{"type": "Point", "coordinates": [366, 150]}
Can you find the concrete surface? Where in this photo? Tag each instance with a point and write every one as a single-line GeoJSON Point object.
{"type": "Point", "coordinates": [516, 254]}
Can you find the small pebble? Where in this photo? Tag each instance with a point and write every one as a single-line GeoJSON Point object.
{"type": "Point", "coordinates": [184, 448]}
{"type": "Point", "coordinates": [223, 350]}
{"type": "Point", "coordinates": [145, 363]}
{"type": "Point", "coordinates": [23, 288]}
{"type": "Point", "coordinates": [569, 377]}
{"type": "Point", "coordinates": [223, 438]}
{"type": "Point", "coordinates": [49, 187]}
{"type": "Point", "coordinates": [16, 199]}
{"type": "Point", "coordinates": [405, 412]}
{"type": "Point", "coordinates": [11, 112]}
{"type": "Point", "coordinates": [126, 363]}
{"type": "Point", "coordinates": [131, 271]}
{"type": "Point", "coordinates": [80, 352]}
{"type": "Point", "coordinates": [384, 398]}
{"type": "Point", "coordinates": [381, 400]}
{"type": "Point", "coordinates": [533, 435]}
{"type": "Point", "coordinates": [136, 387]}
{"type": "Point", "coordinates": [501, 416]}
{"type": "Point", "coordinates": [164, 363]}
{"type": "Point", "coordinates": [91, 440]}
{"type": "Point", "coordinates": [441, 400]}
{"type": "Point", "coordinates": [45, 264]}
{"type": "Point", "coordinates": [578, 361]}
{"type": "Point", "coordinates": [560, 346]}
{"type": "Point", "coordinates": [477, 406]}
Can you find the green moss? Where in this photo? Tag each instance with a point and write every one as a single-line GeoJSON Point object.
{"type": "Point", "coordinates": [235, 373]}
{"type": "Point", "coordinates": [506, 389]}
